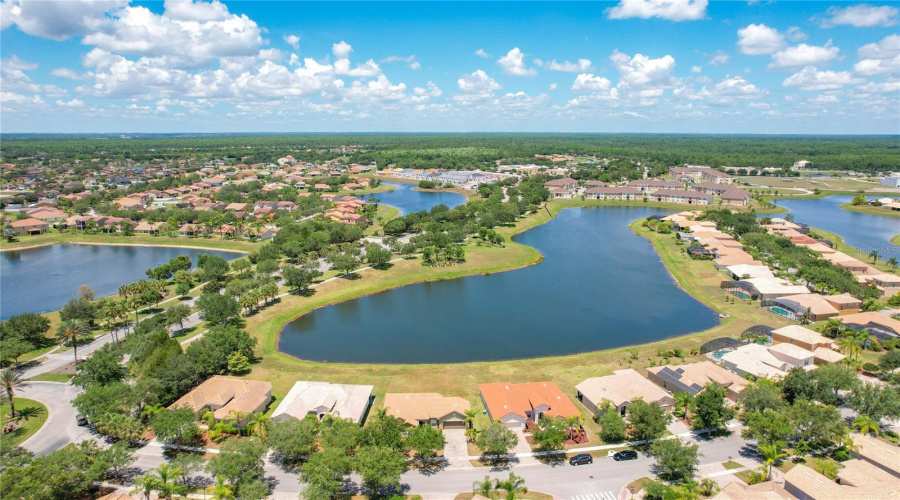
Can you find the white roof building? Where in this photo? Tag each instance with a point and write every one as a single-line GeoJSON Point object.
{"type": "Point", "coordinates": [349, 402]}
{"type": "Point", "coordinates": [767, 361]}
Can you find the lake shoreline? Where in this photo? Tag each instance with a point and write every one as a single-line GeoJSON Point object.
{"type": "Point", "coordinates": [105, 244]}
{"type": "Point", "coordinates": [543, 216]}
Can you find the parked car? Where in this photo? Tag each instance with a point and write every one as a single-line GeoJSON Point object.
{"type": "Point", "coordinates": [81, 420]}
{"type": "Point", "coordinates": [581, 459]}
{"type": "Point", "coordinates": [625, 455]}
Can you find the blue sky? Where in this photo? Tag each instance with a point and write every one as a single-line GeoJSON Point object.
{"type": "Point", "coordinates": [629, 66]}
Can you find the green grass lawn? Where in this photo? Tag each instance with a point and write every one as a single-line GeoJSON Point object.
{"type": "Point", "coordinates": [63, 378]}
{"type": "Point", "coordinates": [896, 240]}
{"type": "Point", "coordinates": [871, 210]}
{"type": "Point", "coordinates": [34, 416]}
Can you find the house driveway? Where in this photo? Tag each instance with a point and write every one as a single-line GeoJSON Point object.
{"type": "Point", "coordinates": [523, 447]}
{"type": "Point", "coordinates": [456, 451]}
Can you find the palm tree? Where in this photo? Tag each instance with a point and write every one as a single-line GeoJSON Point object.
{"type": "Point", "coordinates": [71, 332]}
{"type": "Point", "coordinates": [484, 488]}
{"type": "Point", "coordinates": [708, 487]}
{"type": "Point", "coordinates": [685, 402]}
{"type": "Point", "coordinates": [221, 490]}
{"type": "Point", "coordinates": [11, 379]}
{"type": "Point", "coordinates": [470, 418]}
{"type": "Point", "coordinates": [867, 425]}
{"type": "Point", "coordinates": [164, 482]}
{"type": "Point", "coordinates": [770, 454]}
{"type": "Point", "coordinates": [259, 426]}
{"type": "Point", "coordinates": [893, 263]}
{"type": "Point", "coordinates": [513, 486]}
{"type": "Point", "coordinates": [874, 255]}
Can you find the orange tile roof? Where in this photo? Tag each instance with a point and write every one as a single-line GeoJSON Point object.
{"type": "Point", "coordinates": [504, 398]}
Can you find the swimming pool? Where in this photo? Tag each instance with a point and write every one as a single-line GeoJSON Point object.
{"type": "Point", "coordinates": [741, 295]}
{"type": "Point", "coordinates": [781, 312]}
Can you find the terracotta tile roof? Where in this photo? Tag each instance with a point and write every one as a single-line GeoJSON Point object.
{"type": "Point", "coordinates": [232, 394]}
{"type": "Point", "coordinates": [503, 398]}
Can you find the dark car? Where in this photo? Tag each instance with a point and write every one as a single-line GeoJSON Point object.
{"type": "Point", "coordinates": [625, 455]}
{"type": "Point", "coordinates": [81, 420]}
{"type": "Point", "coordinates": [581, 459]}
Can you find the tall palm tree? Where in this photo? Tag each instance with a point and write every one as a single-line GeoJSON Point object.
{"type": "Point", "coordinates": [770, 454]}
{"type": "Point", "coordinates": [867, 425]}
{"type": "Point", "coordinates": [11, 380]}
{"type": "Point", "coordinates": [683, 401]}
{"type": "Point", "coordinates": [893, 263]}
{"type": "Point", "coordinates": [71, 333]}
{"type": "Point", "coordinates": [874, 255]}
{"type": "Point", "coordinates": [514, 485]}
{"type": "Point", "coordinates": [259, 426]}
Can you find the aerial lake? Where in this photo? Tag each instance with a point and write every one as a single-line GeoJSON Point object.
{"type": "Point", "coordinates": [865, 232]}
{"type": "Point", "coordinates": [408, 200]}
{"type": "Point", "coordinates": [44, 279]}
{"type": "Point", "coordinates": [599, 286]}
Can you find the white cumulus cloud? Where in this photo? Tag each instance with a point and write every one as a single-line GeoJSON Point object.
{"type": "Point", "coordinates": [292, 40]}
{"type": "Point", "coordinates": [804, 55]}
{"type": "Point", "coordinates": [481, 53]}
{"type": "Point", "coordinates": [673, 10]}
{"type": "Point", "coordinates": [513, 63]}
{"type": "Point", "coordinates": [811, 79]}
{"type": "Point", "coordinates": [861, 16]}
{"type": "Point", "coordinates": [587, 82]}
{"type": "Point", "coordinates": [879, 58]}
{"type": "Point", "coordinates": [759, 39]}
{"type": "Point", "coordinates": [57, 19]}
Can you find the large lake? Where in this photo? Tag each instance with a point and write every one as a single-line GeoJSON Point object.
{"type": "Point", "coordinates": [44, 279]}
{"type": "Point", "coordinates": [862, 231]}
{"type": "Point", "coordinates": [599, 286]}
{"type": "Point", "coordinates": [408, 200]}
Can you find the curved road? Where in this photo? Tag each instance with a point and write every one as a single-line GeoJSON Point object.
{"type": "Point", "coordinates": [60, 428]}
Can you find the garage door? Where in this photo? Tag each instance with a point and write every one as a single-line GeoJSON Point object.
{"type": "Point", "coordinates": [454, 425]}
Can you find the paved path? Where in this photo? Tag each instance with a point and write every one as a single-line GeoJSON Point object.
{"type": "Point", "coordinates": [60, 428]}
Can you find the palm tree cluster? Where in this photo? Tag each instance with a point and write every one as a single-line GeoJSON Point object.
{"type": "Point", "coordinates": [142, 293]}
{"type": "Point", "coordinates": [512, 487]}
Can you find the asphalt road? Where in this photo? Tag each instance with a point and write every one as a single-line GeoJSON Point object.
{"type": "Point", "coordinates": [60, 428]}
{"type": "Point", "coordinates": [602, 480]}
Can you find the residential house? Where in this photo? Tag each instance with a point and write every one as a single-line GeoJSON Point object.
{"type": "Point", "coordinates": [856, 480]}
{"type": "Point", "coordinates": [517, 404]}
{"type": "Point", "coordinates": [145, 227]}
{"type": "Point", "coordinates": [682, 196]}
{"type": "Point", "coordinates": [224, 395]}
{"type": "Point", "coordinates": [738, 490]}
{"type": "Point", "coordinates": [767, 361]}
{"type": "Point", "coordinates": [654, 185]}
{"type": "Point", "coordinates": [877, 452]}
{"type": "Point", "coordinates": [349, 402]}
{"type": "Point", "coordinates": [565, 183]}
{"type": "Point", "coordinates": [812, 305]}
{"type": "Point", "coordinates": [621, 389]}
{"type": "Point", "coordinates": [773, 288]}
{"type": "Point", "coordinates": [611, 193]}
{"type": "Point", "coordinates": [50, 215]}
{"type": "Point", "coordinates": [417, 409]}
{"type": "Point", "coordinates": [883, 327]}
{"type": "Point", "coordinates": [29, 226]}
{"type": "Point", "coordinates": [844, 303]}
{"type": "Point", "coordinates": [819, 345]}
{"type": "Point", "coordinates": [693, 377]}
